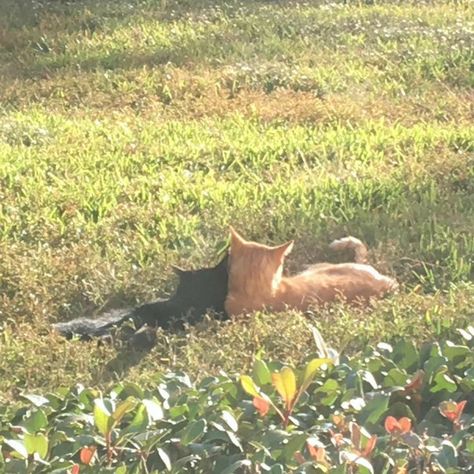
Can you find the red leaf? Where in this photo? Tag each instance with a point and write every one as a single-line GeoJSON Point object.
{"type": "Point", "coordinates": [369, 447]}
{"type": "Point", "coordinates": [339, 421]}
{"type": "Point", "coordinates": [299, 458]}
{"type": "Point", "coordinates": [394, 426]}
{"type": "Point", "coordinates": [391, 424]}
{"type": "Point", "coordinates": [448, 409]}
{"type": "Point", "coordinates": [405, 424]}
{"type": "Point", "coordinates": [416, 382]}
{"type": "Point", "coordinates": [87, 454]}
{"type": "Point", "coordinates": [460, 409]}
{"type": "Point", "coordinates": [452, 410]}
{"type": "Point", "coordinates": [354, 429]}
{"type": "Point", "coordinates": [317, 453]}
{"type": "Point", "coordinates": [261, 405]}
{"type": "Point", "coordinates": [75, 469]}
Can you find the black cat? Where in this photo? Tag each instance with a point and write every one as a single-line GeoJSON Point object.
{"type": "Point", "coordinates": [198, 291]}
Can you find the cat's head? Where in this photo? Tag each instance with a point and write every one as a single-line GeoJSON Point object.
{"type": "Point", "coordinates": [202, 289]}
{"type": "Point", "coordinates": [254, 267]}
{"type": "Point", "coordinates": [198, 292]}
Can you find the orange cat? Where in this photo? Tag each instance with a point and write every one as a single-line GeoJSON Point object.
{"type": "Point", "coordinates": [256, 281]}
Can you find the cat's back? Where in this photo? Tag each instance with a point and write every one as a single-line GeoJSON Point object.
{"type": "Point", "coordinates": [343, 269]}
{"type": "Point", "coordinates": [328, 282]}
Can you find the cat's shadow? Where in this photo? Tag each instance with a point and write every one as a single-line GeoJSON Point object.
{"type": "Point", "coordinates": [135, 349]}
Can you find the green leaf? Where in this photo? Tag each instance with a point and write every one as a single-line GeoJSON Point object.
{"type": "Point", "coordinates": [18, 446]}
{"type": "Point", "coordinates": [234, 440]}
{"type": "Point", "coordinates": [230, 420]}
{"type": "Point", "coordinates": [154, 410]}
{"type": "Point", "coordinates": [178, 410]}
{"type": "Point", "coordinates": [443, 382]}
{"type": "Point", "coordinates": [405, 355]}
{"type": "Point", "coordinates": [412, 440]}
{"type": "Point", "coordinates": [323, 350]}
{"type": "Point", "coordinates": [329, 386]}
{"type": "Point", "coordinates": [274, 438]}
{"type": "Point", "coordinates": [469, 377]}
{"type": "Point", "coordinates": [452, 351]}
{"type": "Point", "coordinates": [236, 466]}
{"type": "Point", "coordinates": [36, 400]}
{"type": "Point", "coordinates": [57, 438]}
{"type": "Point", "coordinates": [36, 421]}
{"type": "Point", "coordinates": [285, 384]}
{"type": "Point", "coordinates": [103, 415]}
{"type": "Point", "coordinates": [261, 372]}
{"type": "Point", "coordinates": [140, 420]}
{"type": "Point", "coordinates": [123, 408]}
{"type": "Point", "coordinates": [165, 458]}
{"type": "Point", "coordinates": [312, 368]}
{"type": "Point", "coordinates": [367, 377]}
{"type": "Point", "coordinates": [400, 409]}
{"type": "Point", "coordinates": [470, 444]}
{"type": "Point", "coordinates": [249, 386]}
{"type": "Point", "coordinates": [395, 378]}
{"type": "Point", "coordinates": [467, 335]}
{"type": "Point", "coordinates": [448, 456]}
{"type": "Point", "coordinates": [193, 431]}
{"type": "Point", "coordinates": [331, 389]}
{"type": "Point", "coordinates": [295, 443]}
{"type": "Point", "coordinates": [132, 389]}
{"type": "Point", "coordinates": [374, 409]}
{"type": "Point", "coordinates": [179, 463]}
{"type": "Point", "coordinates": [434, 364]}
{"type": "Point", "coordinates": [277, 469]}
{"type": "Point", "coordinates": [363, 464]}
{"type": "Point", "coordinates": [36, 444]}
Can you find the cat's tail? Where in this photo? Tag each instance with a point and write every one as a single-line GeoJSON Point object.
{"type": "Point", "coordinates": [160, 313]}
{"type": "Point", "coordinates": [351, 243]}
{"type": "Point", "coordinates": [87, 328]}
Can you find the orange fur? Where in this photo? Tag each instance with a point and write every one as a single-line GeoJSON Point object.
{"type": "Point", "coordinates": [256, 281]}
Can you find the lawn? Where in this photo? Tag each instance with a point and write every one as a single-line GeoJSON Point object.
{"type": "Point", "coordinates": [133, 133]}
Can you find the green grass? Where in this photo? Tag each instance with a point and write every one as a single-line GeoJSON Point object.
{"type": "Point", "coordinates": [132, 133]}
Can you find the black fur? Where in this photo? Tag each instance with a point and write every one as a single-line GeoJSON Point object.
{"type": "Point", "coordinates": [198, 291]}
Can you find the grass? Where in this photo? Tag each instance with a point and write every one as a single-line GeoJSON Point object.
{"type": "Point", "coordinates": [132, 133]}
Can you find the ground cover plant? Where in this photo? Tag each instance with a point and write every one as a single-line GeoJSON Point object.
{"type": "Point", "coordinates": [132, 133]}
{"type": "Point", "coordinates": [398, 409]}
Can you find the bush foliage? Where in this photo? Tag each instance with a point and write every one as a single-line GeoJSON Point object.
{"type": "Point", "coordinates": [394, 409]}
{"type": "Point", "coordinates": [132, 132]}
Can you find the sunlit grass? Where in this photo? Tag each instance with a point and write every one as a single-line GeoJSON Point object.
{"type": "Point", "coordinates": [133, 133]}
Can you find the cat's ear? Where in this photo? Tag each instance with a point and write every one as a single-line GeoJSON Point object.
{"type": "Point", "coordinates": [283, 250]}
{"type": "Point", "coordinates": [236, 240]}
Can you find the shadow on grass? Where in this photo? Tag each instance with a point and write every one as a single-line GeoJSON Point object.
{"type": "Point", "coordinates": [118, 367]}
{"type": "Point", "coordinates": [178, 54]}
{"type": "Point", "coordinates": [39, 28]}
{"type": "Point", "coordinates": [136, 347]}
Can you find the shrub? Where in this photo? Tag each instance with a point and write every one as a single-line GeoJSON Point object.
{"type": "Point", "coordinates": [392, 409]}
